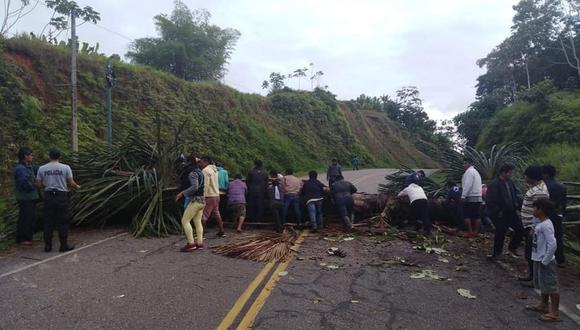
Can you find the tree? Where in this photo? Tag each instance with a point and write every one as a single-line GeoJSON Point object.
{"type": "Point", "coordinates": [299, 73]}
{"type": "Point", "coordinates": [316, 77]}
{"type": "Point", "coordinates": [570, 25]}
{"type": "Point", "coordinates": [275, 82]}
{"type": "Point", "coordinates": [412, 115]}
{"type": "Point", "coordinates": [189, 46]}
{"type": "Point", "coordinates": [14, 11]}
{"type": "Point", "coordinates": [62, 10]}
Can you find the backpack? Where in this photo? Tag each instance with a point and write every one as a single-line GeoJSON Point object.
{"type": "Point", "coordinates": [184, 178]}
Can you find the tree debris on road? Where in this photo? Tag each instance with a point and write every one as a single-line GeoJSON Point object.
{"type": "Point", "coordinates": [263, 247]}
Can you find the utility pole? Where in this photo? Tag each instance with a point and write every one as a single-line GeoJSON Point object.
{"type": "Point", "coordinates": [73, 78]}
{"type": "Point", "coordinates": [110, 78]}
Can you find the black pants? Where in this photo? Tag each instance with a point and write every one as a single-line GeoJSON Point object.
{"type": "Point", "coordinates": [26, 219]}
{"type": "Point", "coordinates": [57, 213]}
{"type": "Point", "coordinates": [256, 205]}
{"type": "Point", "coordinates": [559, 233]}
{"type": "Point", "coordinates": [278, 214]}
{"type": "Point", "coordinates": [502, 224]}
{"type": "Point", "coordinates": [529, 232]}
{"type": "Point", "coordinates": [420, 213]}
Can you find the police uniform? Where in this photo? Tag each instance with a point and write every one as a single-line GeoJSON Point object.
{"type": "Point", "coordinates": [57, 207]}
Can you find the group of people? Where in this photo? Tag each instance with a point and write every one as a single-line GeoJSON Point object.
{"type": "Point", "coordinates": [203, 182]}
{"type": "Point", "coordinates": [51, 182]}
{"type": "Point", "coordinates": [534, 217]}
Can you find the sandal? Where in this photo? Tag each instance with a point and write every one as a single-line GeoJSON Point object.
{"type": "Point", "coordinates": [550, 318]}
{"type": "Point", "coordinates": [537, 309]}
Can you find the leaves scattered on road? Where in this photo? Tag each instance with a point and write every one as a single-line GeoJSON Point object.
{"type": "Point", "coordinates": [466, 293]}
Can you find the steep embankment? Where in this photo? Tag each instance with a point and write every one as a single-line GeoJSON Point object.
{"type": "Point", "coordinates": [548, 125]}
{"type": "Point", "coordinates": [289, 129]}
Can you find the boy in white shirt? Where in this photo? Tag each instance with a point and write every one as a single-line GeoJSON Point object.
{"type": "Point", "coordinates": [543, 250]}
{"type": "Point", "coordinates": [418, 201]}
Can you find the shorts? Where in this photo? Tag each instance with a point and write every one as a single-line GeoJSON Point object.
{"type": "Point", "coordinates": [238, 210]}
{"type": "Point", "coordinates": [471, 210]}
{"type": "Point", "coordinates": [545, 278]}
{"type": "Point", "coordinates": [212, 208]}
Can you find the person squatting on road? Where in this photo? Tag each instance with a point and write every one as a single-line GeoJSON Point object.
{"type": "Point", "coordinates": [276, 198]}
{"type": "Point", "coordinates": [292, 187]}
{"type": "Point", "coordinates": [557, 193]}
{"type": "Point", "coordinates": [313, 193]}
{"type": "Point", "coordinates": [26, 194]}
{"type": "Point", "coordinates": [342, 191]}
{"type": "Point", "coordinates": [537, 190]}
{"type": "Point", "coordinates": [419, 206]}
{"type": "Point", "coordinates": [211, 194]}
{"type": "Point", "coordinates": [502, 202]}
{"type": "Point", "coordinates": [257, 181]}
{"type": "Point", "coordinates": [56, 178]}
{"type": "Point", "coordinates": [471, 198]}
{"type": "Point", "coordinates": [453, 204]}
{"type": "Point", "coordinates": [237, 191]}
{"type": "Point", "coordinates": [333, 172]}
{"type": "Point", "coordinates": [544, 274]}
{"type": "Point", "coordinates": [194, 194]}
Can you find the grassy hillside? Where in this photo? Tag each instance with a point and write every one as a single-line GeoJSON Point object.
{"type": "Point", "coordinates": [549, 125]}
{"type": "Point", "coordinates": [302, 130]}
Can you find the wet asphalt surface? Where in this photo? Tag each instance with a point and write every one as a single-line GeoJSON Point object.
{"type": "Point", "coordinates": [128, 283]}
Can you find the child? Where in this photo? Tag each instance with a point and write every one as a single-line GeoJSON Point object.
{"type": "Point", "coordinates": [544, 276]}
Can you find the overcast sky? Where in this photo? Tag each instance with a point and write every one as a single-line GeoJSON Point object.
{"type": "Point", "coordinates": [363, 46]}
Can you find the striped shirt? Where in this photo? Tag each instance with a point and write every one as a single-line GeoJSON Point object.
{"type": "Point", "coordinates": [536, 192]}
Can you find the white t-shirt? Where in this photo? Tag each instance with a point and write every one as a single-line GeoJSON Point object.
{"type": "Point", "coordinates": [414, 192]}
{"type": "Point", "coordinates": [471, 185]}
{"type": "Point", "coordinates": [544, 242]}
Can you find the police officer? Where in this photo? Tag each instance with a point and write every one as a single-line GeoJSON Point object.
{"type": "Point", "coordinates": [55, 179]}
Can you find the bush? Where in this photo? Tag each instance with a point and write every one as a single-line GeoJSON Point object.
{"type": "Point", "coordinates": [564, 156]}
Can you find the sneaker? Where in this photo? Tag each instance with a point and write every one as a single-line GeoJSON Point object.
{"type": "Point", "coordinates": [514, 254]}
{"type": "Point", "coordinates": [189, 247]}
{"type": "Point", "coordinates": [221, 234]}
{"type": "Point", "coordinates": [199, 246]}
{"type": "Point", "coordinates": [66, 248]}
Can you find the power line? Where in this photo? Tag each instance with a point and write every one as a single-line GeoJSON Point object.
{"type": "Point", "coordinates": [113, 32]}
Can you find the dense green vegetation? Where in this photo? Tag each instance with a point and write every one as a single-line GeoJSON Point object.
{"type": "Point", "coordinates": [287, 129]}
{"type": "Point", "coordinates": [529, 92]}
{"type": "Point", "coordinates": [188, 46]}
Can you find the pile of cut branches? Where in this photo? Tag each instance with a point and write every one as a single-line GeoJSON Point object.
{"type": "Point", "coordinates": [263, 247]}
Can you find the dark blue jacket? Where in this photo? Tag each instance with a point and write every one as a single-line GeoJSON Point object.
{"type": "Point", "coordinates": [312, 189]}
{"type": "Point", "coordinates": [25, 182]}
{"type": "Point", "coordinates": [557, 195]}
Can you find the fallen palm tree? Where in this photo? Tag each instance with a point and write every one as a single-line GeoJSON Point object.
{"type": "Point", "coordinates": [130, 181]}
{"type": "Point", "coordinates": [381, 221]}
{"type": "Point", "coordinates": [262, 247]}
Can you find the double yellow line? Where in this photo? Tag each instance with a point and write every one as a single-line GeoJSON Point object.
{"type": "Point", "coordinates": [252, 313]}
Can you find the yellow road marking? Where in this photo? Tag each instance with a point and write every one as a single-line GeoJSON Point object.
{"type": "Point", "coordinates": [361, 179]}
{"type": "Point", "coordinates": [252, 313]}
{"type": "Point", "coordinates": [241, 302]}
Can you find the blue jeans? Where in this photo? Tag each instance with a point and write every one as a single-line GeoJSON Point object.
{"type": "Point", "coordinates": [292, 200]}
{"type": "Point", "coordinates": [315, 213]}
{"type": "Point", "coordinates": [344, 207]}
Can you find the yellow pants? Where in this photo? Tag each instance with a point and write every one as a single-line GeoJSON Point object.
{"type": "Point", "coordinates": [194, 211]}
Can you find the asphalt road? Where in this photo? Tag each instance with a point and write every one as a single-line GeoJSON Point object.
{"type": "Point", "coordinates": [115, 281]}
